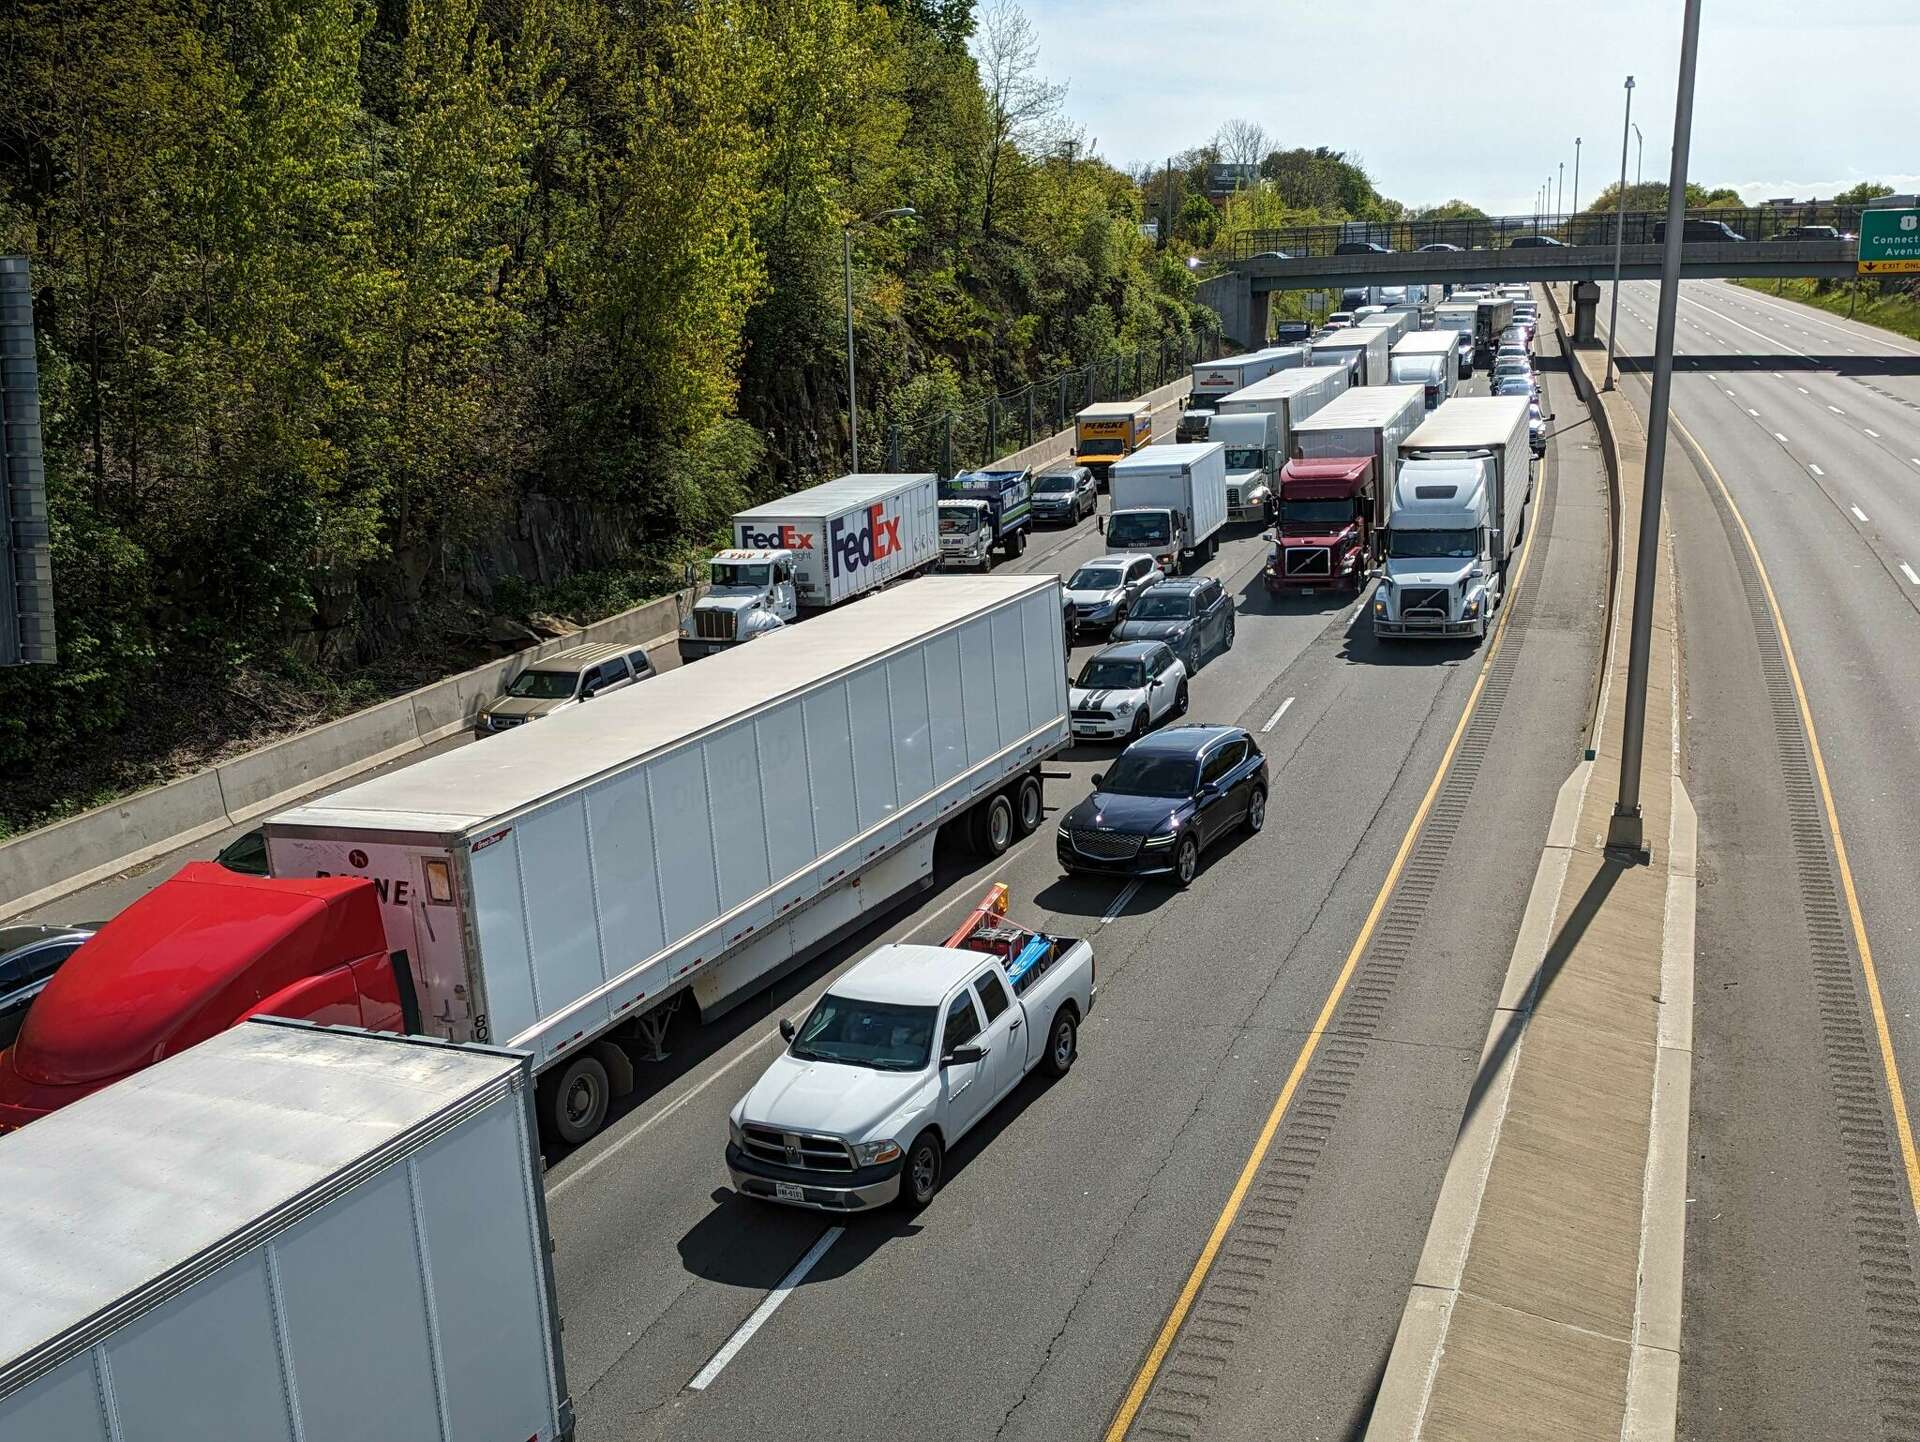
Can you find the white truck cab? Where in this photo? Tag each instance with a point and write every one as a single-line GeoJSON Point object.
{"type": "Point", "coordinates": [902, 1057]}
{"type": "Point", "coordinates": [750, 593]}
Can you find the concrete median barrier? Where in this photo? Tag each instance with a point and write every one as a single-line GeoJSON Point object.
{"type": "Point", "coordinates": [264, 780]}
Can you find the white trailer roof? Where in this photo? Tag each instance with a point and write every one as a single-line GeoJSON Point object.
{"type": "Point", "coordinates": [1166, 458]}
{"type": "Point", "coordinates": [1364, 406]}
{"type": "Point", "coordinates": [1427, 342]}
{"type": "Point", "coordinates": [472, 786]}
{"type": "Point", "coordinates": [832, 498]}
{"type": "Point", "coordinates": [1244, 358]}
{"type": "Point", "coordinates": [1282, 384]}
{"type": "Point", "coordinates": [1467, 421]}
{"type": "Point", "coordinates": [133, 1183]}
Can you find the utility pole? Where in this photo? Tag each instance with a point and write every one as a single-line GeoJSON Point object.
{"type": "Point", "coordinates": [1619, 236]}
{"type": "Point", "coordinates": [1560, 191]}
{"type": "Point", "coordinates": [1624, 830]}
{"type": "Point", "coordinates": [1167, 236]}
{"type": "Point", "coordinates": [1576, 175]}
{"type": "Point", "coordinates": [1639, 154]}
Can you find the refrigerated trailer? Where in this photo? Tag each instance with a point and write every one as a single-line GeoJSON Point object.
{"type": "Point", "coordinates": [1362, 349]}
{"type": "Point", "coordinates": [287, 1233]}
{"type": "Point", "coordinates": [1429, 359]}
{"type": "Point", "coordinates": [562, 887]}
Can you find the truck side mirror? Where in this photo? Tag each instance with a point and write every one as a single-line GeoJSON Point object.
{"type": "Point", "coordinates": [1268, 537]}
{"type": "Point", "coordinates": [786, 1029]}
{"type": "Point", "coordinates": [962, 1056]}
{"type": "Point", "coordinates": [1098, 777]}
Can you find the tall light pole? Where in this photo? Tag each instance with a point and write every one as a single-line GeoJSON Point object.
{"type": "Point", "coordinates": [1576, 175]}
{"type": "Point", "coordinates": [853, 395]}
{"type": "Point", "coordinates": [1624, 828]}
{"type": "Point", "coordinates": [1560, 191]}
{"type": "Point", "coordinates": [1619, 236]}
{"type": "Point", "coordinates": [1639, 154]}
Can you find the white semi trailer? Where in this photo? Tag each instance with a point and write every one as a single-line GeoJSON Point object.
{"type": "Point", "coordinates": [565, 885]}
{"type": "Point", "coordinates": [287, 1233]}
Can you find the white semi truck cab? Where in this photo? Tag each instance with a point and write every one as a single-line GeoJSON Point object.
{"type": "Point", "coordinates": [750, 592]}
{"type": "Point", "coordinates": [1253, 460]}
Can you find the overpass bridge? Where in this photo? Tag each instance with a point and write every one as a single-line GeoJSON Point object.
{"type": "Point", "coordinates": [1461, 252]}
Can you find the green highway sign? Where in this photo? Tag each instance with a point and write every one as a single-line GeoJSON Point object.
{"type": "Point", "coordinates": [1889, 242]}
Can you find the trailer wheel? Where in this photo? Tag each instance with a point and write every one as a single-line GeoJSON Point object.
{"type": "Point", "coordinates": [574, 1099]}
{"type": "Point", "coordinates": [1029, 804]}
{"type": "Point", "coordinates": [991, 827]}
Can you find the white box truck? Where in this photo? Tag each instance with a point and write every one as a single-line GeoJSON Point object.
{"type": "Point", "coordinates": [562, 887]}
{"type": "Point", "coordinates": [1459, 318]}
{"type": "Point", "coordinates": [811, 550]}
{"type": "Point", "coordinates": [1429, 359]}
{"type": "Point", "coordinates": [1362, 349]}
{"type": "Point", "coordinates": [1459, 510]}
{"type": "Point", "coordinates": [1290, 398]}
{"type": "Point", "coordinates": [1396, 323]}
{"type": "Point", "coordinates": [287, 1233]}
{"type": "Point", "coordinates": [1171, 502]}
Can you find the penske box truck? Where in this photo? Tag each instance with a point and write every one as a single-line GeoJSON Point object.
{"type": "Point", "coordinates": [560, 888]}
{"type": "Point", "coordinates": [287, 1233]}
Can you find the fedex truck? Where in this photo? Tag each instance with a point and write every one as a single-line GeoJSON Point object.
{"type": "Point", "coordinates": [812, 550]}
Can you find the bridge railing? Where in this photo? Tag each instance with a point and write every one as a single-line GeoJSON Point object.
{"type": "Point", "coordinates": [1760, 223]}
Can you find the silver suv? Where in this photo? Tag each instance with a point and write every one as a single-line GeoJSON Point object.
{"type": "Point", "coordinates": [564, 679]}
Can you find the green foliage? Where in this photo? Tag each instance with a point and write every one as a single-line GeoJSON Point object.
{"type": "Point", "coordinates": [1860, 194]}
{"type": "Point", "coordinates": [1897, 310]}
{"type": "Point", "coordinates": [1651, 195]}
{"type": "Point", "coordinates": [1451, 210]}
{"type": "Point", "coordinates": [1328, 183]}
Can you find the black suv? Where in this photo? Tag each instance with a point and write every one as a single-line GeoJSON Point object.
{"type": "Point", "coordinates": [1167, 798]}
{"type": "Point", "coordinates": [1692, 230]}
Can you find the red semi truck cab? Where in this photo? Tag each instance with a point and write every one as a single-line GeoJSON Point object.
{"type": "Point", "coordinates": [201, 952]}
{"type": "Point", "coordinates": [1324, 537]}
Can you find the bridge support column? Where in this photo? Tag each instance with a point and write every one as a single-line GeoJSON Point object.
{"type": "Point", "coordinates": [1586, 302]}
{"type": "Point", "coordinates": [1242, 311]}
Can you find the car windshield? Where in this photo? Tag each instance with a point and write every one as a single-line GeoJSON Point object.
{"type": "Point", "coordinates": [1335, 512]}
{"type": "Point", "coordinates": [1050, 484]}
{"type": "Point", "coordinates": [543, 685]}
{"type": "Point", "coordinates": [1094, 578]}
{"type": "Point", "coordinates": [1513, 386]}
{"type": "Point", "coordinates": [1102, 446]}
{"type": "Point", "coordinates": [1143, 773]}
{"type": "Point", "coordinates": [1137, 528]}
{"type": "Point", "coordinates": [1159, 605]}
{"type": "Point", "coordinates": [1246, 458]}
{"type": "Point", "coordinates": [733, 573]}
{"type": "Point", "coordinates": [874, 1034]}
{"type": "Point", "coordinates": [1112, 673]}
{"type": "Point", "coordinates": [1453, 545]}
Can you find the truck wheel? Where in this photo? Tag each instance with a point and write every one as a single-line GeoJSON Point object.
{"type": "Point", "coordinates": [1029, 805]}
{"type": "Point", "coordinates": [574, 1100]}
{"type": "Point", "coordinates": [920, 1176]}
{"type": "Point", "coordinates": [1186, 862]}
{"type": "Point", "coordinates": [1063, 1043]}
{"type": "Point", "coordinates": [1017, 544]}
{"type": "Point", "coordinates": [991, 827]}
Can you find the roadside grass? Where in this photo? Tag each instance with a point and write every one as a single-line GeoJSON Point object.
{"type": "Point", "coordinates": [1899, 312]}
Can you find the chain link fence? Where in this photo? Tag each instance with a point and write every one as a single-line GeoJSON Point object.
{"type": "Point", "coordinates": [948, 442]}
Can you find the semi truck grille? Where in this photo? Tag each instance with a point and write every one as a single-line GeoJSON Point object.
{"type": "Point", "coordinates": [712, 625]}
{"type": "Point", "coordinates": [1425, 603]}
{"type": "Point", "coordinates": [797, 1149]}
{"type": "Point", "coordinates": [1233, 498]}
{"type": "Point", "coordinates": [1105, 845]}
{"type": "Point", "coordinates": [1309, 561]}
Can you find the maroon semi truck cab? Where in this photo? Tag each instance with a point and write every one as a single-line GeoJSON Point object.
{"type": "Point", "coordinates": [1324, 537]}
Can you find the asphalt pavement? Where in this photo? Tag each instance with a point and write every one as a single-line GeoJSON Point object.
{"type": "Point", "coordinates": [1801, 1314]}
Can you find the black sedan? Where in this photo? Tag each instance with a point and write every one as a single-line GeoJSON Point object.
{"type": "Point", "coordinates": [1167, 798]}
{"type": "Point", "coordinates": [1362, 247]}
{"type": "Point", "coordinates": [30, 954]}
{"type": "Point", "coordinates": [1191, 614]}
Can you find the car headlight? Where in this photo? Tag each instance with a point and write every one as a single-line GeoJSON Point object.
{"type": "Point", "coordinates": [1167, 837]}
{"type": "Point", "coordinates": [872, 1154]}
{"type": "Point", "coordinates": [1125, 706]}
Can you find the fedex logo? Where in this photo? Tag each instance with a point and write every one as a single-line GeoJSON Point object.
{"type": "Point", "coordinates": [874, 536]}
{"type": "Point", "coordinates": [780, 538]}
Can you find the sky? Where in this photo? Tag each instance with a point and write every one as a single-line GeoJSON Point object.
{"type": "Point", "coordinates": [1482, 100]}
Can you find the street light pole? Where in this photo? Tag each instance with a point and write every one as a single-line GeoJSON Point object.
{"type": "Point", "coordinates": [1639, 154]}
{"type": "Point", "coordinates": [1560, 191]}
{"type": "Point", "coordinates": [1576, 175]}
{"type": "Point", "coordinates": [1624, 827]}
{"type": "Point", "coordinates": [1619, 237]}
{"type": "Point", "coordinates": [846, 255]}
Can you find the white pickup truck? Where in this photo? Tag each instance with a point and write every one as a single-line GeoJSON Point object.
{"type": "Point", "coordinates": [905, 1053]}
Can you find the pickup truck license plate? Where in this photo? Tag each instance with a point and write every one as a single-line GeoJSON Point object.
{"type": "Point", "coordinates": [790, 1191]}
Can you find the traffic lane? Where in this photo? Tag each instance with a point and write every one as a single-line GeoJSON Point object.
{"type": "Point", "coordinates": [599, 1188]}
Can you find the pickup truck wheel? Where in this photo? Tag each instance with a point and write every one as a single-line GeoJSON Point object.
{"type": "Point", "coordinates": [575, 1100]}
{"type": "Point", "coordinates": [920, 1177]}
{"type": "Point", "coordinates": [992, 826]}
{"type": "Point", "coordinates": [1029, 805]}
{"type": "Point", "coordinates": [1256, 811]}
{"type": "Point", "coordinates": [1063, 1043]}
{"type": "Point", "coordinates": [1186, 862]}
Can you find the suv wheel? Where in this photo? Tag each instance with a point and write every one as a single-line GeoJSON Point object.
{"type": "Point", "coordinates": [1186, 861]}
{"type": "Point", "coordinates": [1256, 810]}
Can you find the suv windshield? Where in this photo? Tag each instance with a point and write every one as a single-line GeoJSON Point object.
{"type": "Point", "coordinates": [1158, 605]}
{"type": "Point", "coordinates": [1112, 674]}
{"type": "Point", "coordinates": [1053, 482]}
{"type": "Point", "coordinates": [1145, 774]}
{"type": "Point", "coordinates": [1454, 545]}
{"type": "Point", "coordinates": [874, 1034]}
{"type": "Point", "coordinates": [726, 574]}
{"type": "Point", "coordinates": [1335, 512]}
{"type": "Point", "coordinates": [544, 685]}
{"type": "Point", "coordinates": [1094, 578]}
{"type": "Point", "coordinates": [1137, 528]}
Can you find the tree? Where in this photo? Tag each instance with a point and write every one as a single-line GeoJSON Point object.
{"type": "Point", "coordinates": [1242, 142]}
{"type": "Point", "coordinates": [1451, 210]}
{"type": "Point", "coordinates": [1023, 106]}
{"type": "Point", "coordinates": [1860, 194]}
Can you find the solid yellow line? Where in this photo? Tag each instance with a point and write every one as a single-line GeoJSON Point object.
{"type": "Point", "coordinates": [1898, 1094]}
{"type": "Point", "coordinates": [1150, 1368]}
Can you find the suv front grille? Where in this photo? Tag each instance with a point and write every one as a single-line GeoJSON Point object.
{"type": "Point", "coordinates": [712, 625]}
{"type": "Point", "coordinates": [797, 1149]}
{"type": "Point", "coordinates": [1105, 845]}
{"type": "Point", "coordinates": [1309, 561]}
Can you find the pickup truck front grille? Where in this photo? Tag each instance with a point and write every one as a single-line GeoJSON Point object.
{"type": "Point", "coordinates": [712, 625]}
{"type": "Point", "coordinates": [797, 1149]}
{"type": "Point", "coordinates": [1105, 845]}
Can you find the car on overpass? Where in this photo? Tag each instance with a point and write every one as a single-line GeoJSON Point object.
{"type": "Point", "coordinates": [1811, 232]}
{"type": "Point", "coordinates": [1693, 229]}
{"type": "Point", "coordinates": [1440, 245]}
{"type": "Point", "coordinates": [1362, 247]}
{"type": "Point", "coordinates": [1533, 242]}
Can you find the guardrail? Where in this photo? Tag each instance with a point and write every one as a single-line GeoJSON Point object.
{"type": "Point", "coordinates": [1499, 232]}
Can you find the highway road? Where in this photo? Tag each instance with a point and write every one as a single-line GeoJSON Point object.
{"type": "Point", "coordinates": [1025, 1300]}
{"type": "Point", "coordinates": [1802, 1315]}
